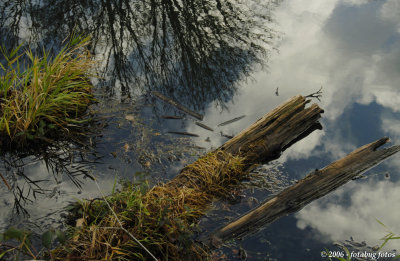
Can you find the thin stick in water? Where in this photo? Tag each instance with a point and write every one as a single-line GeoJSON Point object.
{"type": "Point", "coordinates": [184, 133]}
{"type": "Point", "coordinates": [178, 106]}
{"type": "Point", "coordinates": [231, 121]}
{"type": "Point", "coordinates": [172, 117]}
{"type": "Point", "coordinates": [5, 181]}
{"type": "Point", "coordinates": [203, 126]}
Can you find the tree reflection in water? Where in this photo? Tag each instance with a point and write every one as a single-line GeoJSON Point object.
{"type": "Point", "coordinates": [195, 51]}
{"type": "Point", "coordinates": [73, 158]}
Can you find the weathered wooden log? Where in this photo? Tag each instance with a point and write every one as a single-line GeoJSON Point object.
{"type": "Point", "coordinates": [268, 137]}
{"type": "Point", "coordinates": [313, 186]}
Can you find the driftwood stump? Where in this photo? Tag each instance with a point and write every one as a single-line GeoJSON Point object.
{"type": "Point", "coordinates": [264, 141]}
{"type": "Point", "coordinates": [268, 137]}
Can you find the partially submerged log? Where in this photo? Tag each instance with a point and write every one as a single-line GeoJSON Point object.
{"type": "Point", "coordinates": [173, 208]}
{"type": "Point", "coordinates": [313, 186]}
{"type": "Point", "coordinates": [267, 138]}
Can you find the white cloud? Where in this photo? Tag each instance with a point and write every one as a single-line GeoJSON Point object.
{"type": "Point", "coordinates": [391, 126]}
{"type": "Point", "coordinates": [356, 61]}
{"type": "Point", "coordinates": [369, 201]}
{"type": "Point", "coordinates": [391, 11]}
{"type": "Point", "coordinates": [304, 148]}
{"type": "Point", "coordinates": [344, 46]}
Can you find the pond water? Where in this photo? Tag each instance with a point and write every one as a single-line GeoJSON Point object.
{"type": "Point", "coordinates": [218, 60]}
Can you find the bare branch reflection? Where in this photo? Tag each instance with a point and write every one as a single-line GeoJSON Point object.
{"type": "Point", "coordinates": [193, 51]}
{"type": "Point", "coordinates": [71, 158]}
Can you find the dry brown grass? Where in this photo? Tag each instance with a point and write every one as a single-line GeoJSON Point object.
{"type": "Point", "coordinates": [163, 218]}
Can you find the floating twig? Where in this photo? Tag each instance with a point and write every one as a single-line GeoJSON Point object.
{"type": "Point", "coordinates": [178, 106]}
{"type": "Point", "coordinates": [230, 121]}
{"type": "Point", "coordinates": [172, 117]}
{"type": "Point", "coordinates": [198, 147]}
{"type": "Point", "coordinates": [184, 133]}
{"type": "Point", "coordinates": [203, 126]}
{"type": "Point", "coordinates": [5, 181]}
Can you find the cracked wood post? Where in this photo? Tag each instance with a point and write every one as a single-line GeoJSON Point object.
{"type": "Point", "coordinates": [269, 136]}
{"type": "Point", "coordinates": [310, 188]}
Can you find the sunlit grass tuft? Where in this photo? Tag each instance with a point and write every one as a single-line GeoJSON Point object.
{"type": "Point", "coordinates": [42, 95]}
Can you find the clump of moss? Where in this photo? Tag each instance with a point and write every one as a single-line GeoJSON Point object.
{"type": "Point", "coordinates": [44, 95]}
{"type": "Point", "coordinates": [163, 218]}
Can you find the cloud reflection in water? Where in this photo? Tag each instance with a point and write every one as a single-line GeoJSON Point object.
{"type": "Point", "coordinates": [368, 201]}
{"type": "Point", "coordinates": [352, 49]}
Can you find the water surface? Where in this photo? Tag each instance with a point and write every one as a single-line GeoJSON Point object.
{"type": "Point", "coordinates": [211, 61]}
{"type": "Point", "coordinates": [351, 49]}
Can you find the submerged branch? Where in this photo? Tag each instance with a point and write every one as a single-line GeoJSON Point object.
{"type": "Point", "coordinates": [178, 105]}
{"type": "Point", "coordinates": [5, 181]}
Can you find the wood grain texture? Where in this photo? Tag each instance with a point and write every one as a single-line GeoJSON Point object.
{"type": "Point", "coordinates": [313, 186]}
{"type": "Point", "coordinates": [269, 136]}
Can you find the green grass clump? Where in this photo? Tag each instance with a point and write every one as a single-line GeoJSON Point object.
{"type": "Point", "coordinates": [163, 218]}
{"type": "Point", "coordinates": [40, 96]}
